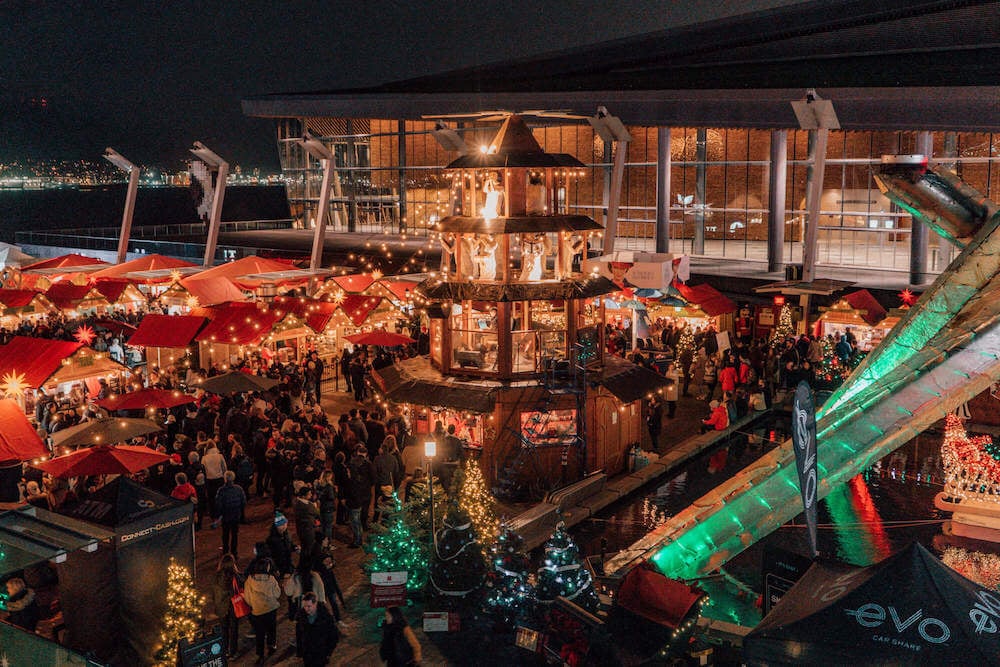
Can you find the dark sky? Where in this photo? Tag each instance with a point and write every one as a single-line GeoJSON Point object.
{"type": "Point", "coordinates": [149, 77]}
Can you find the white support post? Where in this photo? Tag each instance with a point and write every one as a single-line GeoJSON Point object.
{"type": "Point", "coordinates": [319, 233]}
{"type": "Point", "coordinates": [216, 163]}
{"type": "Point", "coordinates": [119, 161]}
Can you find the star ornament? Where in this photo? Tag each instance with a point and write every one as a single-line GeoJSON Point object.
{"type": "Point", "coordinates": [907, 297]}
{"type": "Point", "coordinates": [13, 384]}
{"type": "Point", "coordinates": [84, 334]}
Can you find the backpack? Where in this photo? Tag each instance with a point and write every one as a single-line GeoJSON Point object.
{"type": "Point", "coordinates": [244, 469]}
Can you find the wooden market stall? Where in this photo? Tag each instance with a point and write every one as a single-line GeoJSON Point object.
{"type": "Point", "coordinates": [67, 371]}
{"type": "Point", "coordinates": [858, 312]}
{"type": "Point", "coordinates": [166, 339]}
{"type": "Point", "coordinates": [76, 300]}
{"type": "Point", "coordinates": [121, 294]}
{"type": "Point", "coordinates": [20, 305]}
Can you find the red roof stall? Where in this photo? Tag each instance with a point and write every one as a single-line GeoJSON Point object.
{"type": "Point", "coordinates": [121, 294]}
{"type": "Point", "coordinates": [83, 299]}
{"type": "Point", "coordinates": [857, 311]}
{"type": "Point", "coordinates": [166, 337]}
{"type": "Point", "coordinates": [18, 439]}
{"type": "Point", "coordinates": [234, 331]}
{"type": "Point", "coordinates": [64, 369]}
{"type": "Point", "coordinates": [20, 304]}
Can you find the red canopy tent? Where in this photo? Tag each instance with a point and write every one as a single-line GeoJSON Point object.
{"type": "Point", "coordinates": [710, 300]}
{"type": "Point", "coordinates": [63, 261]}
{"type": "Point", "coordinates": [248, 266]}
{"type": "Point", "coordinates": [18, 439]}
{"type": "Point", "coordinates": [102, 460]}
{"type": "Point", "coordinates": [357, 307]}
{"type": "Point", "coordinates": [153, 262]}
{"type": "Point", "coordinates": [871, 311]}
{"type": "Point", "coordinates": [173, 331]}
{"type": "Point", "coordinates": [354, 283]}
{"type": "Point", "coordinates": [151, 397]}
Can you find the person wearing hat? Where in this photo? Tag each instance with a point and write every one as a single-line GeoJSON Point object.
{"type": "Point", "coordinates": [718, 420]}
{"type": "Point", "coordinates": [279, 542]}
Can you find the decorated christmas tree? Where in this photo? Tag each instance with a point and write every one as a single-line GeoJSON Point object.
{"type": "Point", "coordinates": [418, 505]}
{"type": "Point", "coordinates": [183, 615]}
{"type": "Point", "coordinates": [684, 344]}
{"type": "Point", "coordinates": [562, 573]}
{"type": "Point", "coordinates": [458, 566]}
{"type": "Point", "coordinates": [785, 326]}
{"type": "Point", "coordinates": [509, 596]}
{"type": "Point", "coordinates": [469, 488]}
{"type": "Point", "coordinates": [398, 547]}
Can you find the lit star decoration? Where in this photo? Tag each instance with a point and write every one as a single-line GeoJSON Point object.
{"type": "Point", "coordinates": [970, 469]}
{"type": "Point", "coordinates": [184, 612]}
{"type": "Point", "coordinates": [907, 297]}
{"type": "Point", "coordinates": [13, 384]}
{"type": "Point", "coordinates": [84, 334]}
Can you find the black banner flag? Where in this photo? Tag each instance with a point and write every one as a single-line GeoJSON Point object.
{"type": "Point", "coordinates": [804, 440]}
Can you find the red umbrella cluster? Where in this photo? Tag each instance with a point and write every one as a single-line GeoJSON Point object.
{"type": "Point", "coordinates": [383, 338]}
{"type": "Point", "coordinates": [102, 460]}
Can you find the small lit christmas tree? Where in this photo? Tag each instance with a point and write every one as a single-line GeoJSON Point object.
{"type": "Point", "coordinates": [476, 501]}
{"type": "Point", "coordinates": [184, 612]}
{"type": "Point", "coordinates": [418, 504]}
{"type": "Point", "coordinates": [562, 574]}
{"type": "Point", "coordinates": [684, 344]}
{"type": "Point", "coordinates": [508, 594]}
{"type": "Point", "coordinates": [458, 567]}
{"type": "Point", "coordinates": [785, 326]}
{"type": "Point", "coordinates": [397, 547]}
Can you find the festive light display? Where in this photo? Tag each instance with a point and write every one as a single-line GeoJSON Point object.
{"type": "Point", "coordinates": [562, 573]}
{"type": "Point", "coordinates": [982, 568]}
{"type": "Point", "coordinates": [458, 568]}
{"type": "Point", "coordinates": [84, 334]}
{"type": "Point", "coordinates": [509, 596]}
{"type": "Point", "coordinates": [397, 547]}
{"type": "Point", "coordinates": [475, 500]}
{"type": "Point", "coordinates": [183, 615]}
{"type": "Point", "coordinates": [13, 385]}
{"type": "Point", "coordinates": [684, 344]}
{"type": "Point", "coordinates": [785, 326]}
{"type": "Point", "coordinates": [970, 469]}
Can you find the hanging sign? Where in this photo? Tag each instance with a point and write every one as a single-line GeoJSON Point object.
{"type": "Point", "coordinates": [388, 589]}
{"type": "Point", "coordinates": [804, 440]}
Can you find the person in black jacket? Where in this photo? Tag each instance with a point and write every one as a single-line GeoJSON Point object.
{"type": "Point", "coordinates": [360, 484]}
{"type": "Point", "coordinates": [316, 634]}
{"type": "Point", "coordinates": [330, 584]}
{"type": "Point", "coordinates": [230, 501]}
{"type": "Point", "coordinates": [279, 543]}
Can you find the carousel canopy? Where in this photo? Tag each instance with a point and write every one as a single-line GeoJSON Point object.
{"type": "Point", "coordinates": [563, 289]}
{"type": "Point", "coordinates": [514, 146]}
{"type": "Point", "coordinates": [518, 224]}
{"type": "Point", "coordinates": [18, 439]}
{"type": "Point", "coordinates": [167, 330]}
{"type": "Point", "coordinates": [416, 381]}
{"type": "Point", "coordinates": [153, 262]}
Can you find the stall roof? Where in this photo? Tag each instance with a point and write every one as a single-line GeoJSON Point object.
{"type": "Point", "coordinates": [167, 330]}
{"type": "Point", "coordinates": [113, 289]}
{"type": "Point", "coordinates": [710, 300]}
{"type": "Point", "coordinates": [862, 300]}
{"type": "Point", "coordinates": [627, 381]}
{"type": "Point", "coordinates": [66, 295]}
{"type": "Point", "coordinates": [31, 535]}
{"type": "Point", "coordinates": [354, 283]}
{"type": "Point", "coordinates": [287, 276]}
{"type": "Point", "coordinates": [237, 324]}
{"type": "Point", "coordinates": [18, 439]}
{"type": "Point", "coordinates": [416, 381]}
{"type": "Point", "coordinates": [146, 263]}
{"type": "Point", "coordinates": [19, 298]}
{"type": "Point", "coordinates": [37, 358]}
{"type": "Point", "coordinates": [154, 276]}
{"type": "Point", "coordinates": [209, 291]}
{"type": "Point", "coordinates": [555, 289]}
{"type": "Point", "coordinates": [237, 270]}
{"type": "Point", "coordinates": [358, 307]}
{"type": "Point", "coordinates": [66, 264]}
{"type": "Point", "coordinates": [824, 286]}
{"type": "Point", "coordinates": [316, 314]}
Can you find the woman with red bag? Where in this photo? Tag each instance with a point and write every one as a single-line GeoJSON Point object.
{"type": "Point", "coordinates": [228, 583]}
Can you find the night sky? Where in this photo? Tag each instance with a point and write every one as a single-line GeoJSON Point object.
{"type": "Point", "coordinates": [150, 77]}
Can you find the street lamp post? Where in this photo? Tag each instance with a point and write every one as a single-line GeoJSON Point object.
{"type": "Point", "coordinates": [430, 450]}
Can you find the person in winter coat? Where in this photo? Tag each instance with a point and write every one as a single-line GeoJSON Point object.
{"type": "Point", "coordinates": [388, 471]}
{"type": "Point", "coordinates": [230, 501]}
{"type": "Point", "coordinates": [326, 497]}
{"type": "Point", "coordinates": [316, 634]}
{"type": "Point", "coordinates": [306, 519]}
{"type": "Point", "coordinates": [279, 543]}
{"type": "Point", "coordinates": [263, 594]}
{"type": "Point", "coordinates": [718, 420]}
{"type": "Point", "coordinates": [399, 645]}
{"type": "Point", "coordinates": [330, 585]}
{"type": "Point", "coordinates": [228, 581]}
{"type": "Point", "coordinates": [360, 486]}
{"type": "Point", "coordinates": [21, 605]}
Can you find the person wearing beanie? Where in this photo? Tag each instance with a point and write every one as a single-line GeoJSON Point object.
{"type": "Point", "coordinates": [230, 500]}
{"type": "Point", "coordinates": [280, 544]}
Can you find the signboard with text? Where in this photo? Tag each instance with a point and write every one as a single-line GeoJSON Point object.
{"type": "Point", "coordinates": [388, 589]}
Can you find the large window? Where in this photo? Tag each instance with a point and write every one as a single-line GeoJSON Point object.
{"type": "Point", "coordinates": [474, 339]}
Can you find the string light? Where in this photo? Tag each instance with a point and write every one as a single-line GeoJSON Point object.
{"type": "Point", "coordinates": [183, 615]}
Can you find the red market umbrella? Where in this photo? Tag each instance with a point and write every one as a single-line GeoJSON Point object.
{"type": "Point", "coordinates": [151, 397]}
{"type": "Point", "coordinates": [383, 338]}
{"type": "Point", "coordinates": [102, 460]}
{"type": "Point", "coordinates": [107, 430]}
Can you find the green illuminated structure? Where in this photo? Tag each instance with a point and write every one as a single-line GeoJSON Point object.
{"type": "Point", "coordinates": [942, 353]}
